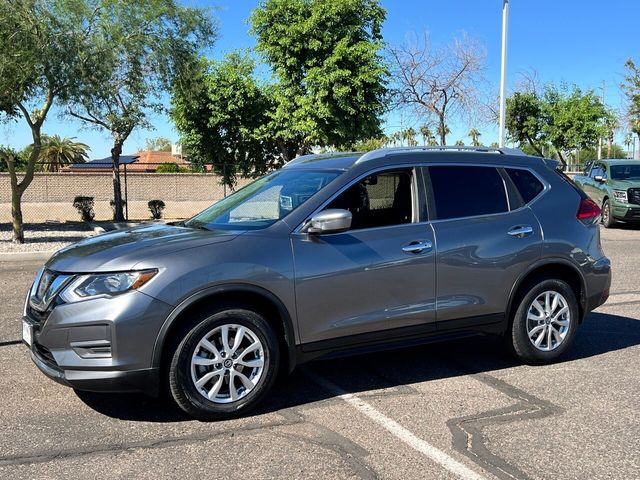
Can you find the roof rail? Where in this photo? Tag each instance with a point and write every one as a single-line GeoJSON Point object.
{"type": "Point", "coordinates": [305, 158]}
{"type": "Point", "coordinates": [383, 152]}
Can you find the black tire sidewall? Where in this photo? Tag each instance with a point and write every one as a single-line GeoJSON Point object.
{"type": "Point", "coordinates": [606, 206]}
{"type": "Point", "coordinates": [181, 385]}
{"type": "Point", "coordinates": [521, 345]}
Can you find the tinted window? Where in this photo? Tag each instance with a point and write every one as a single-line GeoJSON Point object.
{"type": "Point", "coordinates": [625, 172]}
{"type": "Point", "coordinates": [467, 191]}
{"type": "Point", "coordinates": [526, 183]}
{"type": "Point", "coordinates": [378, 200]}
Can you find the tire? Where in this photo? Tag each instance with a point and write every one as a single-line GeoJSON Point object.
{"type": "Point", "coordinates": [194, 360]}
{"type": "Point", "coordinates": [530, 325]}
{"type": "Point", "coordinates": [607, 218]}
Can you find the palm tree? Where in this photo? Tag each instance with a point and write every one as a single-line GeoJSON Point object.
{"type": "Point", "coordinates": [425, 131]}
{"type": "Point", "coordinates": [443, 131]}
{"type": "Point", "coordinates": [475, 135]}
{"type": "Point", "coordinates": [494, 145]}
{"type": "Point", "coordinates": [432, 141]}
{"type": "Point", "coordinates": [459, 143]}
{"type": "Point", "coordinates": [58, 152]}
{"type": "Point", "coordinates": [410, 137]}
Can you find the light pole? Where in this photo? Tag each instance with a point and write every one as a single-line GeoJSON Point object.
{"type": "Point", "coordinates": [503, 70]}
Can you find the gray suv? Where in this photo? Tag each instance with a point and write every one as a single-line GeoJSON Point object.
{"type": "Point", "coordinates": [331, 254]}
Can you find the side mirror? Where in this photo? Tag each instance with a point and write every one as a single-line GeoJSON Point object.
{"type": "Point", "coordinates": [599, 178]}
{"type": "Point", "coordinates": [334, 220]}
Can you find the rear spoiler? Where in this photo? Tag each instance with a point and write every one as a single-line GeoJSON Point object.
{"type": "Point", "coordinates": [553, 164]}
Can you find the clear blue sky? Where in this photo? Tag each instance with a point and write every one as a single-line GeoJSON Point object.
{"type": "Point", "coordinates": [574, 41]}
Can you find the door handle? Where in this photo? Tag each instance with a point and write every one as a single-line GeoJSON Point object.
{"type": "Point", "coordinates": [417, 247]}
{"type": "Point", "coordinates": [520, 232]}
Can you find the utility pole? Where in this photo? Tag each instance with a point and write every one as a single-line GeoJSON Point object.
{"type": "Point", "coordinates": [503, 71]}
{"type": "Point", "coordinates": [600, 138]}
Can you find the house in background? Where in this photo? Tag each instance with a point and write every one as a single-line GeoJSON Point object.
{"type": "Point", "coordinates": [140, 162]}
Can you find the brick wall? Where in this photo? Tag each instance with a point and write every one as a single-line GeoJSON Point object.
{"type": "Point", "coordinates": [50, 195]}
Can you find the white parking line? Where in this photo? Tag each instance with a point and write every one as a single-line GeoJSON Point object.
{"type": "Point", "coordinates": [398, 430]}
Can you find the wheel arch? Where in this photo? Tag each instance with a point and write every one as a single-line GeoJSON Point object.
{"type": "Point", "coordinates": [258, 298]}
{"type": "Point", "coordinates": [549, 268]}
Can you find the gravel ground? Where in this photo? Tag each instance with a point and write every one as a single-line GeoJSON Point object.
{"type": "Point", "coordinates": [43, 237]}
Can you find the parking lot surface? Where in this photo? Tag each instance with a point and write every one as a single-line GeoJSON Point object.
{"type": "Point", "coordinates": [455, 410]}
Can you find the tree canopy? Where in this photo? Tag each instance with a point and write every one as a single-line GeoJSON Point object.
{"type": "Point", "coordinates": [330, 76]}
{"type": "Point", "coordinates": [222, 115]}
{"type": "Point", "coordinates": [564, 117]}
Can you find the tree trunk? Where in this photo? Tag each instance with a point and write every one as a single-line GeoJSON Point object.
{"type": "Point", "coordinates": [561, 157]}
{"type": "Point", "coordinates": [16, 216]}
{"type": "Point", "coordinates": [443, 132]}
{"type": "Point", "coordinates": [534, 146]}
{"type": "Point", "coordinates": [116, 151]}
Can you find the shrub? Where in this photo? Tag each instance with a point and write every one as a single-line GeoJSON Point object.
{"type": "Point", "coordinates": [156, 207]}
{"type": "Point", "coordinates": [169, 167]}
{"type": "Point", "coordinates": [84, 205]}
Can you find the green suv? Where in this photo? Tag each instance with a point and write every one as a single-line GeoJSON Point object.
{"type": "Point", "coordinates": [615, 186]}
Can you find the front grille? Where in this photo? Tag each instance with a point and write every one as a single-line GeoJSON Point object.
{"type": "Point", "coordinates": [633, 195]}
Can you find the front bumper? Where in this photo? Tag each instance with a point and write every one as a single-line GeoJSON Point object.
{"type": "Point", "coordinates": [103, 344]}
{"type": "Point", "coordinates": [626, 212]}
{"type": "Point", "coordinates": [144, 381]}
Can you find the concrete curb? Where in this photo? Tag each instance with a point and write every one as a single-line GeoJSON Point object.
{"type": "Point", "coordinates": [25, 256]}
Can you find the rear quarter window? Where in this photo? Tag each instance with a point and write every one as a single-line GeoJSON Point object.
{"type": "Point", "coordinates": [526, 182]}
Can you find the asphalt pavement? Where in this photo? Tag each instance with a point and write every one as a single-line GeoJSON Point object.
{"type": "Point", "coordinates": [456, 410]}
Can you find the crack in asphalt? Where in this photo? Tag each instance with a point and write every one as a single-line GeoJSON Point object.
{"type": "Point", "coordinates": [467, 431]}
{"type": "Point", "coordinates": [198, 437]}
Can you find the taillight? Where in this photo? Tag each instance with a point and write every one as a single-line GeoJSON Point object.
{"type": "Point", "coordinates": [588, 210]}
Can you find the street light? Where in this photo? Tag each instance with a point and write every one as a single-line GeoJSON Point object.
{"type": "Point", "coordinates": [503, 70]}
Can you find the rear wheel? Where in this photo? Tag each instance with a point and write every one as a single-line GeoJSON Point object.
{"type": "Point", "coordinates": [224, 365]}
{"type": "Point", "coordinates": [545, 322]}
{"type": "Point", "coordinates": [607, 218]}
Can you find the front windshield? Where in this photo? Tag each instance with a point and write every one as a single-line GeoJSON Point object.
{"type": "Point", "coordinates": [625, 172]}
{"type": "Point", "coordinates": [265, 201]}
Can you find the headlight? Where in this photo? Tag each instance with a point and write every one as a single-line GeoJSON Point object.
{"type": "Point", "coordinates": [109, 284]}
{"type": "Point", "coordinates": [620, 196]}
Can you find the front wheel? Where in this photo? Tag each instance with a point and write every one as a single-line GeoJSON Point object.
{"type": "Point", "coordinates": [607, 218]}
{"type": "Point", "coordinates": [224, 365]}
{"type": "Point", "coordinates": [545, 322]}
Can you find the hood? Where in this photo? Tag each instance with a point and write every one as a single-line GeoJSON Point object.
{"type": "Point", "coordinates": [624, 184]}
{"type": "Point", "coordinates": [122, 249]}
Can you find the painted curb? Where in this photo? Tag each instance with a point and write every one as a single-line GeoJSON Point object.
{"type": "Point", "coordinates": [26, 256]}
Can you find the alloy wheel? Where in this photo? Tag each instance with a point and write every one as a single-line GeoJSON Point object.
{"type": "Point", "coordinates": [227, 363]}
{"type": "Point", "coordinates": [548, 321]}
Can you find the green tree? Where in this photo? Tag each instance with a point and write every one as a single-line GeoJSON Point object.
{"type": "Point", "coordinates": [369, 144]}
{"type": "Point", "coordinates": [47, 55]}
{"type": "Point", "coordinates": [158, 144]}
{"type": "Point", "coordinates": [574, 119]}
{"type": "Point", "coordinates": [58, 152]}
{"type": "Point", "coordinates": [628, 141]}
{"type": "Point", "coordinates": [459, 143]}
{"type": "Point", "coordinates": [525, 120]}
{"type": "Point", "coordinates": [222, 116]}
{"type": "Point", "coordinates": [475, 135]}
{"type": "Point", "coordinates": [409, 135]}
{"type": "Point", "coordinates": [425, 131]}
{"type": "Point", "coordinates": [567, 119]}
{"type": "Point", "coordinates": [631, 89]}
{"type": "Point", "coordinates": [145, 46]}
{"type": "Point", "coordinates": [331, 78]}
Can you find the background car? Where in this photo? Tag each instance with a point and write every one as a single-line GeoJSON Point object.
{"type": "Point", "coordinates": [615, 186]}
